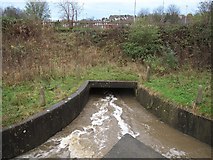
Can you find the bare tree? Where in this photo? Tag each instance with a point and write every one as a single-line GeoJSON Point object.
{"type": "Point", "coordinates": [70, 10]}
{"type": "Point", "coordinates": [173, 10]}
{"type": "Point", "coordinates": [205, 10]}
{"type": "Point", "coordinates": [38, 9]}
{"type": "Point", "coordinates": [143, 12]}
{"type": "Point", "coordinates": [204, 7]}
{"type": "Point", "coordinates": [13, 12]}
{"type": "Point", "coordinates": [172, 15]}
{"type": "Point", "coordinates": [159, 10]}
{"type": "Point", "coordinates": [158, 14]}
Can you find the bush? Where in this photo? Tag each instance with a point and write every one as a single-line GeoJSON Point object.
{"type": "Point", "coordinates": [191, 43]}
{"type": "Point", "coordinates": [63, 29]}
{"type": "Point", "coordinates": [140, 51]}
{"type": "Point", "coordinates": [22, 28]}
{"type": "Point", "coordinates": [169, 58]}
{"type": "Point", "coordinates": [156, 63]}
{"type": "Point", "coordinates": [162, 63]}
{"type": "Point", "coordinates": [143, 39]}
{"type": "Point", "coordinates": [143, 34]}
{"type": "Point", "coordinates": [132, 50]}
{"type": "Point", "coordinates": [100, 37]}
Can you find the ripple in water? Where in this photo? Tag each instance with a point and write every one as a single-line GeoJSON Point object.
{"type": "Point", "coordinates": [79, 144]}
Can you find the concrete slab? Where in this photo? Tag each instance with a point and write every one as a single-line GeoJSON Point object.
{"type": "Point", "coordinates": [129, 147]}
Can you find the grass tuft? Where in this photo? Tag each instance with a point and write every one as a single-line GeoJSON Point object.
{"type": "Point", "coordinates": [182, 88]}
{"type": "Point", "coordinates": [22, 100]}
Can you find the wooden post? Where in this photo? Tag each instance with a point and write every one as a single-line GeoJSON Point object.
{"type": "Point", "coordinates": [42, 97]}
{"type": "Point", "coordinates": [148, 74]}
{"type": "Point", "coordinates": [199, 95]}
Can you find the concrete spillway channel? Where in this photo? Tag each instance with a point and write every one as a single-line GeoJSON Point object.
{"type": "Point", "coordinates": [91, 121]}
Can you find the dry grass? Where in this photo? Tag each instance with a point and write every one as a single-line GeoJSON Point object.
{"type": "Point", "coordinates": [50, 55]}
{"type": "Point", "coordinates": [62, 60]}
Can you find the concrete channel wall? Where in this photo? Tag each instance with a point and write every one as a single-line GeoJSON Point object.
{"type": "Point", "coordinates": [22, 137]}
{"type": "Point", "coordinates": [186, 122]}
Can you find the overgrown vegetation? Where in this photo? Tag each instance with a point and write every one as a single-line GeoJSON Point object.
{"type": "Point", "coordinates": [189, 44]}
{"type": "Point", "coordinates": [172, 40]}
{"type": "Point", "coordinates": [23, 100]}
{"type": "Point", "coordinates": [182, 59]}
{"type": "Point", "coordinates": [143, 40]}
{"type": "Point", "coordinates": [58, 61]}
{"type": "Point", "coordinates": [36, 54]}
{"type": "Point", "coordinates": [182, 88]}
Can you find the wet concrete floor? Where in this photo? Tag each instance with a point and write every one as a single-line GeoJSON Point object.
{"type": "Point", "coordinates": [104, 120]}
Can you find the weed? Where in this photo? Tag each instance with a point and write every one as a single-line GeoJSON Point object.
{"type": "Point", "coordinates": [61, 61]}
{"type": "Point", "coordinates": [21, 101]}
{"type": "Point", "coordinates": [182, 87]}
{"type": "Point", "coordinates": [143, 40]}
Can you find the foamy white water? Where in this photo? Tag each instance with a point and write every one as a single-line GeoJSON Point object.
{"type": "Point", "coordinates": [78, 143]}
{"type": "Point", "coordinates": [104, 120]}
{"type": "Point", "coordinates": [125, 128]}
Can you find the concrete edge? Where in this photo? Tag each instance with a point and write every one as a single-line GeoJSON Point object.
{"type": "Point", "coordinates": [32, 132]}
{"type": "Point", "coordinates": [130, 147]}
{"type": "Point", "coordinates": [180, 119]}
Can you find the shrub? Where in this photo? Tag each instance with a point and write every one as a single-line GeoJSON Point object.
{"type": "Point", "coordinates": [143, 34]}
{"type": "Point", "coordinates": [63, 29]}
{"type": "Point", "coordinates": [162, 63]}
{"type": "Point", "coordinates": [156, 63]}
{"type": "Point", "coordinates": [22, 28]}
{"type": "Point", "coordinates": [169, 58]}
{"type": "Point", "coordinates": [132, 50]}
{"type": "Point", "coordinates": [144, 39]}
{"type": "Point", "coordinates": [191, 43]}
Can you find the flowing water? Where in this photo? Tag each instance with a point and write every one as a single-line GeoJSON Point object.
{"type": "Point", "coordinates": [104, 120]}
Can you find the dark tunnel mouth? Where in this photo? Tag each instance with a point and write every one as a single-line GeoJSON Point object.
{"type": "Point", "coordinates": [115, 91]}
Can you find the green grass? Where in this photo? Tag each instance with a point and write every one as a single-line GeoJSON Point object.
{"type": "Point", "coordinates": [182, 88]}
{"type": "Point", "coordinates": [21, 101]}
{"type": "Point", "coordinates": [109, 73]}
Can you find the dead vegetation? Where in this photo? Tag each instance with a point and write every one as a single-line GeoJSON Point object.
{"type": "Point", "coordinates": [41, 52]}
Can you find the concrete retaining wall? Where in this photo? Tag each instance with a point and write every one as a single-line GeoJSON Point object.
{"type": "Point", "coordinates": [186, 122]}
{"type": "Point", "coordinates": [31, 133]}
{"type": "Point", "coordinates": [22, 137]}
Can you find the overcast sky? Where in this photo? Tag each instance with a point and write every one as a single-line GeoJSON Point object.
{"type": "Point", "coordinates": [104, 8]}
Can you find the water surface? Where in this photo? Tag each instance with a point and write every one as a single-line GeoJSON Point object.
{"type": "Point", "coordinates": [104, 120]}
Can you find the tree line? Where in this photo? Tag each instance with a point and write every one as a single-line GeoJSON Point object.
{"type": "Point", "coordinates": [172, 14]}
{"type": "Point", "coordinates": [69, 9]}
{"type": "Point", "coordinates": [39, 10]}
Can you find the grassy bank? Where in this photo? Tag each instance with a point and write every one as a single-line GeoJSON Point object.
{"type": "Point", "coordinates": [21, 101]}
{"type": "Point", "coordinates": [61, 61]}
{"type": "Point", "coordinates": [182, 87]}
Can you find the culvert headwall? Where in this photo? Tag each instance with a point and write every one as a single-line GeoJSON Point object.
{"type": "Point", "coordinates": [22, 137]}
{"type": "Point", "coordinates": [180, 119]}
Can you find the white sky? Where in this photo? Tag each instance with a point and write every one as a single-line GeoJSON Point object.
{"type": "Point", "coordinates": [105, 8]}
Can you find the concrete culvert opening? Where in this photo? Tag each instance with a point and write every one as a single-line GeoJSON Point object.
{"type": "Point", "coordinates": [107, 117]}
{"type": "Point", "coordinates": [97, 117]}
{"type": "Point", "coordinates": [113, 91]}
